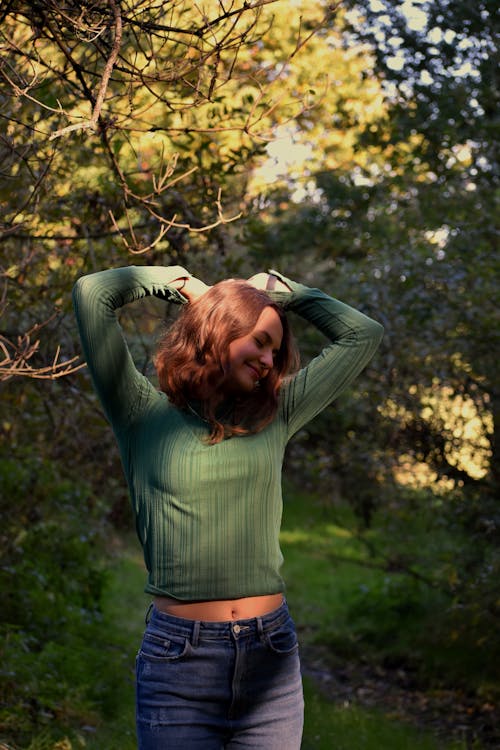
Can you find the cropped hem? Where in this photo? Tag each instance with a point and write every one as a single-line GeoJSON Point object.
{"type": "Point", "coordinates": [217, 596]}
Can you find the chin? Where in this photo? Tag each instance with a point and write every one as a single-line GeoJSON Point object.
{"type": "Point", "coordinates": [247, 389]}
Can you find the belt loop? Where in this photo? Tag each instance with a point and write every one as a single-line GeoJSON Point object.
{"type": "Point", "coordinates": [260, 628]}
{"type": "Point", "coordinates": [148, 614]}
{"type": "Point", "coordinates": [196, 634]}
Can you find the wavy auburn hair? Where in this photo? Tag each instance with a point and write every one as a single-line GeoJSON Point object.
{"type": "Point", "coordinates": [192, 358]}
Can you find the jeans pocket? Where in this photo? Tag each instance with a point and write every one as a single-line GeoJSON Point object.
{"type": "Point", "coordinates": [283, 639]}
{"type": "Point", "coordinates": [156, 648]}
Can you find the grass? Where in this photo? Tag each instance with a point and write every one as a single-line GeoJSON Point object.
{"type": "Point", "coordinates": [322, 592]}
{"type": "Point", "coordinates": [350, 727]}
{"type": "Point", "coordinates": [325, 584]}
{"type": "Point", "coordinates": [320, 589]}
{"type": "Point", "coordinates": [125, 595]}
{"type": "Point", "coordinates": [341, 599]}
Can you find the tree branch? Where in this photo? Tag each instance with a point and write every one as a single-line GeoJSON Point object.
{"type": "Point", "coordinates": [92, 123]}
{"type": "Point", "coordinates": [15, 356]}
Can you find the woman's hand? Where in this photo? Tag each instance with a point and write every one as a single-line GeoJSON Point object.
{"type": "Point", "coordinates": [191, 287]}
{"type": "Point", "coordinates": [268, 282]}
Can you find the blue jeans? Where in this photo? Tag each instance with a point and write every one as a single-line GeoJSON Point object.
{"type": "Point", "coordinates": [214, 685]}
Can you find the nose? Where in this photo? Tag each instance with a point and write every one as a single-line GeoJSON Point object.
{"type": "Point", "coordinates": [266, 359]}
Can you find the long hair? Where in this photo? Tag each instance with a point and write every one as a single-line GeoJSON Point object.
{"type": "Point", "coordinates": [192, 358]}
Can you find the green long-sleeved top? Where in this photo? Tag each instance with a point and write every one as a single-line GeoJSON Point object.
{"type": "Point", "coordinates": [208, 516]}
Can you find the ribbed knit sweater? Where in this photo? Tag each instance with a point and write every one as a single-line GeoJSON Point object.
{"type": "Point", "coordinates": [208, 516]}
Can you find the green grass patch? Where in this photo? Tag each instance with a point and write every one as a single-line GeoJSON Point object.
{"type": "Point", "coordinates": [343, 599]}
{"type": "Point", "coordinates": [350, 727]}
{"type": "Point", "coordinates": [82, 688]}
{"type": "Point", "coordinates": [345, 608]}
{"type": "Point", "coordinates": [124, 615]}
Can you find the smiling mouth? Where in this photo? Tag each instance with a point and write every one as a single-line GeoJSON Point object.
{"type": "Point", "coordinates": [254, 372]}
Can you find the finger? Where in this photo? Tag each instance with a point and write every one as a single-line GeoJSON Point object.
{"type": "Point", "coordinates": [271, 282]}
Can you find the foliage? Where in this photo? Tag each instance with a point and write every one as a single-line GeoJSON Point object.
{"type": "Point", "coordinates": [99, 710]}
{"type": "Point", "coordinates": [155, 158]}
{"type": "Point", "coordinates": [52, 583]}
{"type": "Point", "coordinates": [193, 96]}
{"type": "Point", "coordinates": [391, 596]}
{"type": "Point", "coordinates": [359, 149]}
{"type": "Point", "coordinates": [346, 726]}
{"type": "Point", "coordinates": [442, 79]}
{"type": "Point", "coordinates": [411, 238]}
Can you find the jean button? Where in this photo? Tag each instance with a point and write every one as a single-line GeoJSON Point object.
{"type": "Point", "coordinates": [236, 629]}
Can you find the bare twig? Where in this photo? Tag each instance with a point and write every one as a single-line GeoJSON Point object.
{"type": "Point", "coordinates": [135, 248]}
{"type": "Point", "coordinates": [14, 360]}
{"type": "Point", "coordinates": [208, 24]}
{"type": "Point", "coordinates": [92, 123]}
{"type": "Point", "coordinates": [167, 224]}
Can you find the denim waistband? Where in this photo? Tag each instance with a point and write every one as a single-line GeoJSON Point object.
{"type": "Point", "coordinates": [225, 629]}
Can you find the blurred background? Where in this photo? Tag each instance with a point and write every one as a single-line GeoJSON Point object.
{"type": "Point", "coordinates": [353, 146]}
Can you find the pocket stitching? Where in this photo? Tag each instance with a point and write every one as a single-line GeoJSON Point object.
{"type": "Point", "coordinates": [282, 652]}
{"type": "Point", "coordinates": [166, 643]}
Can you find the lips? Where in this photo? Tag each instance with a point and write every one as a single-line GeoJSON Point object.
{"type": "Point", "coordinates": [255, 372]}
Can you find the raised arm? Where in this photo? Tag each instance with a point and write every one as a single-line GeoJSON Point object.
{"type": "Point", "coordinates": [354, 339]}
{"type": "Point", "coordinates": [96, 299]}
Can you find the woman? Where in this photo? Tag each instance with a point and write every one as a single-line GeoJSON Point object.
{"type": "Point", "coordinates": [218, 665]}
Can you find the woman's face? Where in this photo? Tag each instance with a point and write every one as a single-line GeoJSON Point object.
{"type": "Point", "coordinates": [252, 356]}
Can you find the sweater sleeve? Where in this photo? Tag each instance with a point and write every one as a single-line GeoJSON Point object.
{"type": "Point", "coordinates": [96, 298]}
{"type": "Point", "coordinates": [354, 338]}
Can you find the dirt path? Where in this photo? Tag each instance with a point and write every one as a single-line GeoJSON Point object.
{"type": "Point", "coordinates": [450, 714]}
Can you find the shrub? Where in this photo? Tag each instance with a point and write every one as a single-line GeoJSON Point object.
{"type": "Point", "coordinates": [52, 582]}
